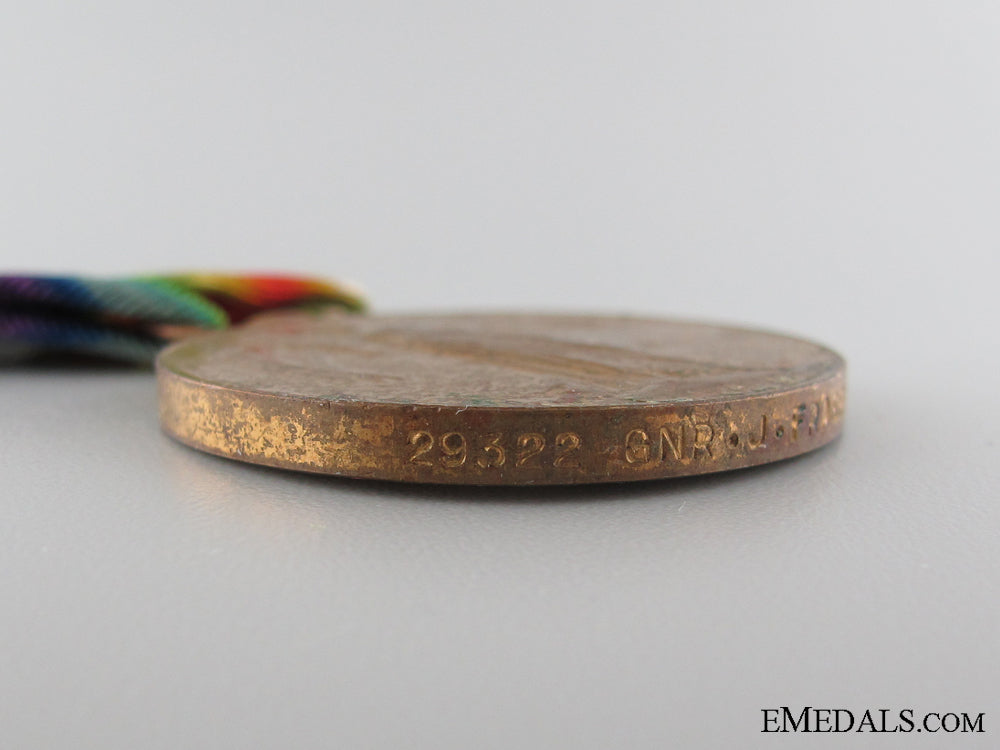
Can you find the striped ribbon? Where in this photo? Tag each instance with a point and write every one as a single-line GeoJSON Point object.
{"type": "Point", "coordinates": [130, 319]}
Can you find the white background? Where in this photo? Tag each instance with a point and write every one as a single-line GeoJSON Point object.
{"type": "Point", "coordinates": [829, 169]}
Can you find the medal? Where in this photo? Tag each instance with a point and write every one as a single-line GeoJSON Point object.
{"type": "Point", "coordinates": [465, 398]}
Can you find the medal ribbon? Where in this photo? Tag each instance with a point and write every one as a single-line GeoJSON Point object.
{"type": "Point", "coordinates": [131, 319]}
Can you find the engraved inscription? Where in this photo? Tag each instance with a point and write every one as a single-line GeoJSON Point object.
{"type": "Point", "coordinates": [685, 443]}
{"type": "Point", "coordinates": [759, 440]}
{"type": "Point", "coordinates": [493, 452]}
{"type": "Point", "coordinates": [454, 449]}
{"type": "Point", "coordinates": [680, 441]}
{"type": "Point", "coordinates": [530, 445]}
{"type": "Point", "coordinates": [798, 419]}
{"type": "Point", "coordinates": [805, 420]}
{"type": "Point", "coordinates": [697, 438]}
{"type": "Point", "coordinates": [814, 417]}
{"type": "Point", "coordinates": [566, 444]}
{"type": "Point", "coordinates": [672, 438]}
{"type": "Point", "coordinates": [637, 447]}
{"type": "Point", "coordinates": [422, 443]}
{"type": "Point", "coordinates": [703, 434]}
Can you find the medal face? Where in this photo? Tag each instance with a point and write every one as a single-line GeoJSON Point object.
{"type": "Point", "coordinates": [499, 399]}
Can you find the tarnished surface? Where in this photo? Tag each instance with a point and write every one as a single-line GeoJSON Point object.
{"type": "Point", "coordinates": [500, 399]}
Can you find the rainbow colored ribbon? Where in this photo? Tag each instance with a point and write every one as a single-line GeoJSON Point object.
{"type": "Point", "coordinates": [130, 319]}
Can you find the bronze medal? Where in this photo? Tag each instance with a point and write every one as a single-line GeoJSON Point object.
{"type": "Point", "coordinates": [497, 399]}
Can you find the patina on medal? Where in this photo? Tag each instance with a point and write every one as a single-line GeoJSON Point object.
{"type": "Point", "coordinates": [495, 399]}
